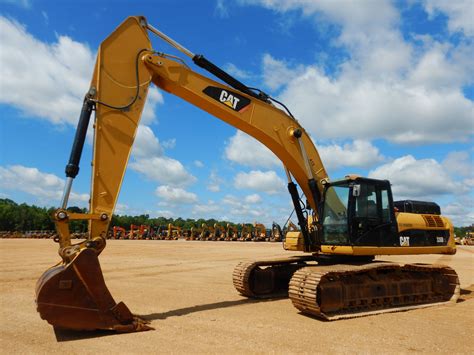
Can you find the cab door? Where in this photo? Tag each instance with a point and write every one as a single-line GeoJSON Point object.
{"type": "Point", "coordinates": [373, 220]}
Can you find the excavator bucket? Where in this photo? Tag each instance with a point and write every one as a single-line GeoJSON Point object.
{"type": "Point", "coordinates": [74, 296]}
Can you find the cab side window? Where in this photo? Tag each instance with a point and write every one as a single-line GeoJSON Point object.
{"type": "Point", "coordinates": [385, 206]}
{"type": "Point", "coordinates": [366, 202]}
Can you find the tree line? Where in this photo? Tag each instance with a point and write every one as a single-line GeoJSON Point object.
{"type": "Point", "coordinates": [23, 217]}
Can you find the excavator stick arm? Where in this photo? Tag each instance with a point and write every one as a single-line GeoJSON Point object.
{"type": "Point", "coordinates": [73, 294]}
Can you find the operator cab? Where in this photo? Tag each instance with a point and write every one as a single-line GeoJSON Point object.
{"type": "Point", "coordinates": [359, 211]}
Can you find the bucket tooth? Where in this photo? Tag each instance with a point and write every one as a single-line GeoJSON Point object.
{"type": "Point", "coordinates": [75, 296]}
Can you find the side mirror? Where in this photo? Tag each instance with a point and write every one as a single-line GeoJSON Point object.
{"type": "Point", "coordinates": [356, 190]}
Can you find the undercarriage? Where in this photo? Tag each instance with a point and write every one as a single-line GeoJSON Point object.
{"type": "Point", "coordinates": [356, 288]}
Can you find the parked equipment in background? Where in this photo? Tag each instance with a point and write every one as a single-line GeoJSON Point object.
{"type": "Point", "coordinates": [259, 232]}
{"type": "Point", "coordinates": [276, 234]}
{"type": "Point", "coordinates": [245, 233]}
{"type": "Point", "coordinates": [173, 233]}
{"type": "Point", "coordinates": [232, 233]}
{"type": "Point", "coordinates": [119, 232]}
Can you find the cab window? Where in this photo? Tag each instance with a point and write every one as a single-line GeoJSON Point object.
{"type": "Point", "coordinates": [335, 227]}
{"type": "Point", "coordinates": [366, 202]}
{"type": "Point", "coordinates": [385, 206]}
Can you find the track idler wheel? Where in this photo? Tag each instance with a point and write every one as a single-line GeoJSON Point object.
{"type": "Point", "coordinates": [74, 296]}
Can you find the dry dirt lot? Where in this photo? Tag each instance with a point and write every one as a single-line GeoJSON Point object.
{"type": "Point", "coordinates": [185, 289]}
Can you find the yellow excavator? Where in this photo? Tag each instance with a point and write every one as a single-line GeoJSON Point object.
{"type": "Point", "coordinates": [173, 232]}
{"type": "Point", "coordinates": [342, 226]}
{"type": "Point", "coordinates": [276, 233]}
{"type": "Point", "coordinates": [259, 232]}
{"type": "Point", "coordinates": [231, 233]}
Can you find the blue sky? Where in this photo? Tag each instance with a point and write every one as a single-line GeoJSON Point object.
{"type": "Point", "coordinates": [385, 88]}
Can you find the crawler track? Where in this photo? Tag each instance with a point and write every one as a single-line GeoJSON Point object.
{"type": "Point", "coordinates": [267, 278]}
{"type": "Point", "coordinates": [345, 291]}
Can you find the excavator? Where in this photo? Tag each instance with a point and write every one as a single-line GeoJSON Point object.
{"type": "Point", "coordinates": [343, 225]}
{"type": "Point", "coordinates": [260, 232]}
{"type": "Point", "coordinates": [276, 233]}
{"type": "Point", "coordinates": [145, 232]}
{"type": "Point", "coordinates": [134, 232]}
{"type": "Point", "coordinates": [218, 233]}
{"type": "Point", "coordinates": [119, 232]}
{"type": "Point", "coordinates": [194, 233]}
{"type": "Point", "coordinates": [245, 233]}
{"type": "Point", "coordinates": [231, 233]}
{"type": "Point", "coordinates": [206, 232]}
{"type": "Point", "coordinates": [173, 232]}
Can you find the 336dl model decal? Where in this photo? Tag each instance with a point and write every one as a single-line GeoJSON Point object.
{"type": "Point", "coordinates": [231, 99]}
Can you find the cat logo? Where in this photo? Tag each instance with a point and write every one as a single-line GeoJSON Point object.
{"type": "Point", "coordinates": [231, 99]}
{"type": "Point", "coordinates": [404, 241]}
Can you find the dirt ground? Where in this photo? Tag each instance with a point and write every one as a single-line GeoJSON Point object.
{"type": "Point", "coordinates": [185, 289]}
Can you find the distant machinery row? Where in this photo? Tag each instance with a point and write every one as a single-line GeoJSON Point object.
{"type": "Point", "coordinates": [256, 232]}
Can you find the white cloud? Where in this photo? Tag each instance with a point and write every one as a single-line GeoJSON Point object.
{"type": "Point", "coordinates": [245, 150]}
{"type": "Point", "coordinates": [164, 170]}
{"type": "Point", "coordinates": [368, 109]}
{"type": "Point", "coordinates": [198, 164]}
{"type": "Point", "coordinates": [248, 214]}
{"type": "Point", "coordinates": [460, 14]}
{"type": "Point", "coordinates": [221, 9]}
{"type": "Point", "coordinates": [121, 209]}
{"type": "Point", "coordinates": [47, 188]}
{"type": "Point", "coordinates": [215, 182]}
{"type": "Point", "coordinates": [442, 67]}
{"type": "Point", "coordinates": [385, 88]}
{"type": "Point", "coordinates": [232, 208]}
{"type": "Point", "coordinates": [80, 199]}
{"type": "Point", "coordinates": [267, 181]}
{"type": "Point", "coordinates": [150, 161]}
{"type": "Point", "coordinates": [232, 200]}
{"type": "Point", "coordinates": [146, 143]}
{"type": "Point", "coordinates": [175, 195]}
{"type": "Point", "coordinates": [254, 198]}
{"type": "Point", "coordinates": [247, 209]}
{"type": "Point", "coordinates": [165, 214]}
{"type": "Point", "coordinates": [244, 209]}
{"type": "Point", "coordinates": [207, 209]}
{"type": "Point", "coordinates": [461, 212]}
{"type": "Point", "coordinates": [469, 182]}
{"type": "Point", "coordinates": [233, 70]}
{"type": "Point", "coordinates": [417, 179]}
{"type": "Point", "coordinates": [459, 163]}
{"type": "Point", "coordinates": [276, 73]}
{"type": "Point", "coordinates": [54, 86]}
{"type": "Point", "coordinates": [53, 89]}
{"type": "Point", "coordinates": [169, 143]}
{"type": "Point", "coordinates": [360, 24]}
{"type": "Point", "coordinates": [154, 98]}
{"type": "Point", "coordinates": [359, 153]}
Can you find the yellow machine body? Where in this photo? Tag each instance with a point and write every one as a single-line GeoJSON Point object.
{"type": "Point", "coordinates": [294, 241]}
{"type": "Point", "coordinates": [73, 293]}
